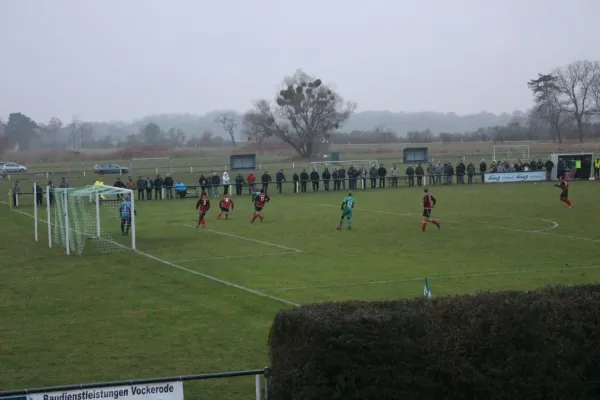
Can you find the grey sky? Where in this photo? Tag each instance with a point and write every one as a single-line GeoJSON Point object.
{"type": "Point", "coordinates": [111, 59]}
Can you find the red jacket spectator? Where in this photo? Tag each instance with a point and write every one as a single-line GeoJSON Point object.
{"type": "Point", "coordinates": [251, 179]}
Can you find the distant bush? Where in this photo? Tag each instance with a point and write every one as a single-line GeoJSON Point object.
{"type": "Point", "coordinates": [509, 345]}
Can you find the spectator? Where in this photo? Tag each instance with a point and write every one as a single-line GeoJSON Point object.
{"type": "Point", "coordinates": [352, 177]}
{"type": "Point", "coordinates": [342, 177]}
{"type": "Point", "coordinates": [118, 184]}
{"type": "Point", "coordinates": [215, 182]}
{"type": "Point", "coordinates": [51, 192]}
{"type": "Point", "coordinates": [540, 165]}
{"type": "Point", "coordinates": [63, 183]}
{"type": "Point", "coordinates": [16, 191]}
{"type": "Point", "coordinates": [266, 179]}
{"type": "Point", "coordinates": [39, 195]}
{"type": "Point", "coordinates": [419, 173]}
{"type": "Point", "coordinates": [149, 187]}
{"type": "Point", "coordinates": [460, 172]}
{"type": "Point", "coordinates": [394, 175]}
{"type": "Point", "coordinates": [279, 180]}
{"type": "Point", "coordinates": [597, 168]}
{"type": "Point", "coordinates": [532, 165]}
{"type": "Point", "coordinates": [130, 183]}
{"type": "Point", "coordinates": [336, 179]}
{"type": "Point", "coordinates": [141, 187]}
{"type": "Point", "coordinates": [430, 174]}
{"type": "Point", "coordinates": [363, 176]}
{"type": "Point", "coordinates": [410, 175]}
{"type": "Point", "coordinates": [314, 177]}
{"type": "Point", "coordinates": [548, 167]}
{"type": "Point", "coordinates": [326, 176]}
{"type": "Point", "coordinates": [180, 189]}
{"type": "Point", "coordinates": [439, 171]}
{"type": "Point", "coordinates": [482, 170]}
{"type": "Point", "coordinates": [251, 179]}
{"type": "Point", "coordinates": [296, 179]}
{"type": "Point", "coordinates": [373, 176]}
{"type": "Point", "coordinates": [470, 172]}
{"type": "Point", "coordinates": [303, 181]}
{"type": "Point", "coordinates": [158, 185]}
{"type": "Point", "coordinates": [225, 183]}
{"type": "Point", "coordinates": [168, 183]}
{"type": "Point", "coordinates": [382, 172]}
{"type": "Point", "coordinates": [239, 184]}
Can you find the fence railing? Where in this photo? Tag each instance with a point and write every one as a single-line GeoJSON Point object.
{"type": "Point", "coordinates": [261, 383]}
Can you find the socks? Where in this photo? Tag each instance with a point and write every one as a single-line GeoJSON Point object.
{"type": "Point", "coordinates": [567, 202]}
{"type": "Point", "coordinates": [423, 226]}
{"type": "Point", "coordinates": [220, 214]}
{"type": "Point", "coordinates": [122, 228]}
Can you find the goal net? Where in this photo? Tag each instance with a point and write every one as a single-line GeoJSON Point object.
{"type": "Point", "coordinates": [358, 164]}
{"type": "Point", "coordinates": [145, 166]}
{"type": "Point", "coordinates": [511, 152]}
{"type": "Point", "coordinates": [101, 215]}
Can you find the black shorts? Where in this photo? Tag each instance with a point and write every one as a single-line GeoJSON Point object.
{"type": "Point", "coordinates": [202, 214]}
{"type": "Point", "coordinates": [223, 209]}
{"type": "Point", "coordinates": [564, 195]}
{"type": "Point", "coordinates": [257, 209]}
{"type": "Point", "coordinates": [126, 221]}
{"type": "Point", "coordinates": [427, 212]}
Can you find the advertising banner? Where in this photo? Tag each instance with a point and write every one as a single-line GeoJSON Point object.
{"type": "Point", "coordinates": [505, 177]}
{"type": "Point", "coordinates": [152, 391]}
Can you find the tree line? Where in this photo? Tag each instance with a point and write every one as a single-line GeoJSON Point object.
{"type": "Point", "coordinates": [308, 115]}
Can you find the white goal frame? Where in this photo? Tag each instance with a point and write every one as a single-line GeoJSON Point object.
{"type": "Point", "coordinates": [156, 169]}
{"type": "Point", "coordinates": [97, 194]}
{"type": "Point", "coordinates": [346, 163]}
{"type": "Point", "coordinates": [524, 156]}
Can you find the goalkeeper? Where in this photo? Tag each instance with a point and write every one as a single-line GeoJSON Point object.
{"type": "Point", "coordinates": [347, 206]}
{"type": "Point", "coordinates": [125, 214]}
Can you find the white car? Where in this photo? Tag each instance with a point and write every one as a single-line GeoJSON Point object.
{"type": "Point", "coordinates": [12, 167]}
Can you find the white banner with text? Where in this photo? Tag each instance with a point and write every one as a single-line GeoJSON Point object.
{"type": "Point", "coordinates": [151, 391]}
{"type": "Point", "coordinates": [504, 177]}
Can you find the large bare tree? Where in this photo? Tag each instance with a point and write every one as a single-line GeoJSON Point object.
{"type": "Point", "coordinates": [229, 123]}
{"type": "Point", "coordinates": [550, 105]}
{"type": "Point", "coordinates": [575, 82]}
{"type": "Point", "coordinates": [304, 114]}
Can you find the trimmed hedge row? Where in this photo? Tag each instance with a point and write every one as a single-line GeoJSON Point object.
{"type": "Point", "coordinates": [542, 344]}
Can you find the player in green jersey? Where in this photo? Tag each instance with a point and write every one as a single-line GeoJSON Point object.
{"type": "Point", "coordinates": [347, 206]}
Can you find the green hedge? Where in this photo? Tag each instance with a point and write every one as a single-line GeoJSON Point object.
{"type": "Point", "coordinates": [508, 345]}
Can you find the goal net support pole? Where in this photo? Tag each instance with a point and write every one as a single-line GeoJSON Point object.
{"type": "Point", "coordinates": [35, 211]}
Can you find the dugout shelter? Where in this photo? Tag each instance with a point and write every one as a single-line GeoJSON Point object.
{"type": "Point", "coordinates": [575, 166]}
{"type": "Point", "coordinates": [413, 155]}
{"type": "Point", "coordinates": [243, 161]}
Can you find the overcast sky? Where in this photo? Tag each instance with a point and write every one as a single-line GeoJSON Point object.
{"type": "Point", "coordinates": [124, 59]}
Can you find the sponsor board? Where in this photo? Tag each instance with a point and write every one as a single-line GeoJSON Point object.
{"type": "Point", "coordinates": [505, 177]}
{"type": "Point", "coordinates": [151, 391]}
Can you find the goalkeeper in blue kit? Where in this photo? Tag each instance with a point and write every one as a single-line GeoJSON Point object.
{"type": "Point", "coordinates": [125, 214]}
{"type": "Point", "coordinates": [347, 206]}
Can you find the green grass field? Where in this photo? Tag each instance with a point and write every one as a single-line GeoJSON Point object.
{"type": "Point", "coordinates": [202, 301]}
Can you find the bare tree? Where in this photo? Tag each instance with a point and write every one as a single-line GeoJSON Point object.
{"type": "Point", "coordinates": [53, 127]}
{"type": "Point", "coordinates": [575, 81]}
{"type": "Point", "coordinates": [229, 124]}
{"type": "Point", "coordinates": [304, 115]}
{"type": "Point", "coordinates": [596, 96]}
{"type": "Point", "coordinates": [3, 137]}
{"type": "Point", "coordinates": [549, 104]}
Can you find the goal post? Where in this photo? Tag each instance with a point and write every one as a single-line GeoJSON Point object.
{"type": "Point", "coordinates": [160, 165]}
{"type": "Point", "coordinates": [511, 151]}
{"type": "Point", "coordinates": [77, 220]}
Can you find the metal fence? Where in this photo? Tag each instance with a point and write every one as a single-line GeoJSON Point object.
{"type": "Point", "coordinates": [261, 379]}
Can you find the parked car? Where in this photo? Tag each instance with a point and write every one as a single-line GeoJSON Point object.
{"type": "Point", "coordinates": [11, 168]}
{"type": "Point", "coordinates": [103, 169]}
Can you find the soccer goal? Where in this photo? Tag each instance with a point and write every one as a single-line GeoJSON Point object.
{"type": "Point", "coordinates": [141, 166]}
{"type": "Point", "coordinates": [320, 165]}
{"type": "Point", "coordinates": [107, 221]}
{"type": "Point", "coordinates": [511, 151]}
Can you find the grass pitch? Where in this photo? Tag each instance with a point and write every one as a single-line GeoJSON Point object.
{"type": "Point", "coordinates": [202, 301]}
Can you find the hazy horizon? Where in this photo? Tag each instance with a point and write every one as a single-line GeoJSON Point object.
{"type": "Point", "coordinates": [111, 60]}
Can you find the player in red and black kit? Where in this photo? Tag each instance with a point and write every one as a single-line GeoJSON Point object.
{"type": "Point", "coordinates": [203, 205]}
{"type": "Point", "coordinates": [226, 205]}
{"type": "Point", "coordinates": [564, 196]}
{"type": "Point", "coordinates": [428, 204]}
{"type": "Point", "coordinates": [260, 199]}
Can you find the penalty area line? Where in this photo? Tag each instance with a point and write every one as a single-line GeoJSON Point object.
{"type": "Point", "coordinates": [439, 277]}
{"type": "Point", "coordinates": [291, 249]}
{"type": "Point", "coordinates": [191, 271]}
{"type": "Point", "coordinates": [279, 253]}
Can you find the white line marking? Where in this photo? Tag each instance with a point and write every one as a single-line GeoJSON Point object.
{"type": "Point", "coordinates": [250, 239]}
{"type": "Point", "coordinates": [191, 271]}
{"type": "Point", "coordinates": [234, 257]}
{"type": "Point", "coordinates": [440, 277]}
{"type": "Point", "coordinates": [535, 232]}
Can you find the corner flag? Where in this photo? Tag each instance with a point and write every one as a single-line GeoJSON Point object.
{"type": "Point", "coordinates": [426, 291]}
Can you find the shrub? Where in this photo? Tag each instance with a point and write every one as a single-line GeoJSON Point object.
{"type": "Point", "coordinates": [543, 344]}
